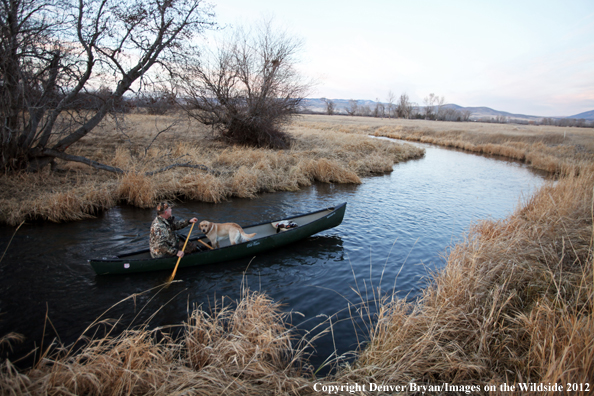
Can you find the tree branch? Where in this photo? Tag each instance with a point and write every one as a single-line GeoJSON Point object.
{"type": "Point", "coordinates": [84, 160]}
{"type": "Point", "coordinates": [98, 165]}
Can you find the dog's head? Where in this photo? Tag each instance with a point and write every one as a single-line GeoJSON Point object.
{"type": "Point", "coordinates": [204, 226]}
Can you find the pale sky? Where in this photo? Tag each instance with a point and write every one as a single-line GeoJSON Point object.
{"type": "Point", "coordinates": [521, 56]}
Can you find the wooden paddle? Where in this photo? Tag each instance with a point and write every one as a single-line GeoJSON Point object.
{"type": "Point", "coordinates": [205, 244]}
{"type": "Point", "coordinates": [179, 258]}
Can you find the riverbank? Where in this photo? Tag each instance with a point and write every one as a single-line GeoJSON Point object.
{"type": "Point", "coordinates": [558, 150]}
{"type": "Point", "coordinates": [515, 301]}
{"type": "Point", "coordinates": [513, 305]}
{"type": "Point", "coordinates": [76, 191]}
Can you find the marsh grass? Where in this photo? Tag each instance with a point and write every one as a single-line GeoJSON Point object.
{"type": "Point", "coordinates": [77, 191]}
{"type": "Point", "coordinates": [244, 348]}
{"type": "Point", "coordinates": [514, 303]}
{"type": "Point", "coordinates": [558, 150]}
{"type": "Point", "coordinates": [551, 152]}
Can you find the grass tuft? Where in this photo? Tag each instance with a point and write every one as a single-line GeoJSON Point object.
{"type": "Point", "coordinates": [137, 189]}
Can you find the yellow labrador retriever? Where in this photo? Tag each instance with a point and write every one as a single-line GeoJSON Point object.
{"type": "Point", "coordinates": [218, 231]}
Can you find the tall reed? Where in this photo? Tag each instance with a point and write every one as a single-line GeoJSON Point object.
{"type": "Point", "coordinates": [244, 349]}
{"type": "Point", "coordinates": [514, 303]}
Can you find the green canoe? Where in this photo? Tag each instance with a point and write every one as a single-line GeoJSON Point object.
{"type": "Point", "coordinates": [266, 238]}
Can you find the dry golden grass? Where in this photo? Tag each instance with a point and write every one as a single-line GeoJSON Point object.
{"type": "Point", "coordinates": [78, 191]}
{"type": "Point", "coordinates": [514, 304]}
{"type": "Point", "coordinates": [550, 148]}
{"type": "Point", "coordinates": [242, 350]}
{"type": "Point", "coordinates": [515, 301]}
{"type": "Point", "coordinates": [553, 149]}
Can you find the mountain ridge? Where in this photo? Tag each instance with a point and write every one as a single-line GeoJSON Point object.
{"type": "Point", "coordinates": [586, 115]}
{"type": "Point", "coordinates": [477, 112]}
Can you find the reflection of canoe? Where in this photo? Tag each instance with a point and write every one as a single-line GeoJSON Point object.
{"type": "Point", "coordinates": [266, 238]}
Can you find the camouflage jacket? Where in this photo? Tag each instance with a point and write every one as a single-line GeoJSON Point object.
{"type": "Point", "coordinates": [164, 241]}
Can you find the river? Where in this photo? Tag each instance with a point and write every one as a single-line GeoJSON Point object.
{"type": "Point", "coordinates": [396, 229]}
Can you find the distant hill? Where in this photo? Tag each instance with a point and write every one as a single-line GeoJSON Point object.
{"type": "Point", "coordinates": [588, 115]}
{"type": "Point", "coordinates": [487, 112]}
{"type": "Point", "coordinates": [316, 105]}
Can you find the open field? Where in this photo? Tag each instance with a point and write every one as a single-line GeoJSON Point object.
{"type": "Point", "coordinates": [76, 191]}
{"type": "Point", "coordinates": [514, 304]}
{"type": "Point", "coordinates": [550, 148]}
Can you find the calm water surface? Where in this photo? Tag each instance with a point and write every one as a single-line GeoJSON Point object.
{"type": "Point", "coordinates": [395, 231]}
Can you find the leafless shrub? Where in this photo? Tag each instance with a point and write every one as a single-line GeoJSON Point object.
{"type": "Point", "coordinates": [248, 88]}
{"type": "Point", "coordinates": [156, 103]}
{"type": "Point", "coordinates": [353, 107]}
{"type": "Point", "coordinates": [330, 106]}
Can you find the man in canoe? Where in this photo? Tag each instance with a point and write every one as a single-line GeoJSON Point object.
{"type": "Point", "coordinates": [164, 241]}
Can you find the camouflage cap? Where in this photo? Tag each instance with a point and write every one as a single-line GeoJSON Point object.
{"type": "Point", "coordinates": [163, 206]}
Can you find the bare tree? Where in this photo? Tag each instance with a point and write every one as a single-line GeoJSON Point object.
{"type": "Point", "coordinates": [404, 108]}
{"type": "Point", "coordinates": [451, 114]}
{"type": "Point", "coordinates": [433, 105]}
{"type": "Point", "coordinates": [439, 102]}
{"type": "Point", "coordinates": [248, 88]}
{"type": "Point", "coordinates": [429, 106]}
{"type": "Point", "coordinates": [353, 107]}
{"type": "Point", "coordinates": [566, 122]}
{"type": "Point", "coordinates": [391, 106]}
{"type": "Point", "coordinates": [54, 53]}
{"type": "Point", "coordinates": [380, 109]}
{"type": "Point", "coordinates": [364, 111]}
{"type": "Point", "coordinates": [330, 106]}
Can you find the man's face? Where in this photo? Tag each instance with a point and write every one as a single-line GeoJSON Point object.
{"type": "Point", "coordinates": [167, 214]}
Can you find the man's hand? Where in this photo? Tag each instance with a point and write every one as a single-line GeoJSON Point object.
{"type": "Point", "coordinates": [180, 253]}
{"type": "Point", "coordinates": [193, 220]}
